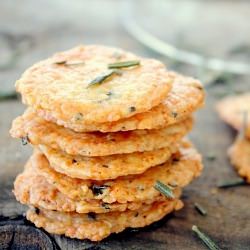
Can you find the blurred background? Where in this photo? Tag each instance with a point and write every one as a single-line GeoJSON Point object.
{"type": "Point", "coordinates": [206, 39]}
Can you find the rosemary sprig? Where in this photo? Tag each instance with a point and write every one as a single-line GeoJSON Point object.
{"type": "Point", "coordinates": [66, 63]}
{"type": "Point", "coordinates": [125, 64]}
{"type": "Point", "coordinates": [242, 132]}
{"type": "Point", "coordinates": [164, 189]}
{"type": "Point", "coordinates": [12, 95]}
{"type": "Point", "coordinates": [206, 240]}
{"type": "Point", "coordinates": [200, 209]}
{"type": "Point", "coordinates": [100, 79]}
{"type": "Point", "coordinates": [232, 183]}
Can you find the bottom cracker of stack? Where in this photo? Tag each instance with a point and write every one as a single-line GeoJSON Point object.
{"type": "Point", "coordinates": [72, 206]}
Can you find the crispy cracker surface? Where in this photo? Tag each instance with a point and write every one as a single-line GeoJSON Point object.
{"type": "Point", "coordinates": [106, 167]}
{"type": "Point", "coordinates": [231, 109]}
{"type": "Point", "coordinates": [33, 189]}
{"type": "Point", "coordinates": [63, 89]}
{"type": "Point", "coordinates": [40, 131]}
{"type": "Point", "coordinates": [179, 171]}
{"type": "Point", "coordinates": [185, 97]}
{"type": "Point", "coordinates": [239, 154]}
{"type": "Point", "coordinates": [96, 227]}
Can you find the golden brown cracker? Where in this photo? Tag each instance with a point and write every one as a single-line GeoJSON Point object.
{"type": "Point", "coordinates": [61, 85]}
{"type": "Point", "coordinates": [185, 97]}
{"type": "Point", "coordinates": [40, 131]}
{"type": "Point", "coordinates": [96, 227]}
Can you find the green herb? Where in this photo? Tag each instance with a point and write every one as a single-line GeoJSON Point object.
{"type": "Point", "coordinates": [25, 140]}
{"type": "Point", "coordinates": [66, 63]}
{"type": "Point", "coordinates": [109, 93]}
{"type": "Point", "coordinates": [132, 109]}
{"type": "Point", "coordinates": [124, 64]}
{"type": "Point", "coordinates": [164, 189]}
{"type": "Point", "coordinates": [200, 209]}
{"type": "Point", "coordinates": [92, 216]}
{"type": "Point", "coordinates": [105, 205]}
{"type": "Point", "coordinates": [206, 240]}
{"type": "Point", "coordinates": [37, 210]}
{"type": "Point", "coordinates": [211, 157]}
{"type": "Point", "coordinates": [100, 79]}
{"type": "Point", "coordinates": [78, 117]}
{"type": "Point", "coordinates": [8, 95]}
{"type": "Point", "coordinates": [242, 132]}
{"type": "Point", "coordinates": [97, 190]}
{"type": "Point", "coordinates": [232, 183]}
{"type": "Point", "coordinates": [174, 114]}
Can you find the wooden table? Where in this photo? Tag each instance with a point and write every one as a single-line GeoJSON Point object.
{"type": "Point", "coordinates": [35, 29]}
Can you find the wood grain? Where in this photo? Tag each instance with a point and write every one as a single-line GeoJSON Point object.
{"type": "Point", "coordinates": [41, 34]}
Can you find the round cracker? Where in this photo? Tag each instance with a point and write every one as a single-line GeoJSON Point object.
{"type": "Point", "coordinates": [185, 97]}
{"type": "Point", "coordinates": [106, 167]}
{"type": "Point", "coordinates": [239, 154]}
{"type": "Point", "coordinates": [63, 89]}
{"type": "Point", "coordinates": [96, 227]}
{"type": "Point", "coordinates": [39, 131]}
{"type": "Point", "coordinates": [33, 189]}
{"type": "Point", "coordinates": [183, 167]}
{"type": "Point", "coordinates": [231, 109]}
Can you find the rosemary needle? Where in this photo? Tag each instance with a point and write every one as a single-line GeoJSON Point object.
{"type": "Point", "coordinates": [164, 189]}
{"type": "Point", "coordinates": [8, 95]}
{"type": "Point", "coordinates": [207, 241]}
{"type": "Point", "coordinates": [124, 64]}
{"type": "Point", "coordinates": [100, 79]}
{"type": "Point", "coordinates": [200, 209]}
{"type": "Point", "coordinates": [231, 183]}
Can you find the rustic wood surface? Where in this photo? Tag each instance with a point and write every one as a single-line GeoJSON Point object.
{"type": "Point", "coordinates": [32, 30]}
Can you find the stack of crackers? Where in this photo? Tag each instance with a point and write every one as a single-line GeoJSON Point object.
{"type": "Point", "coordinates": [235, 111]}
{"type": "Point", "coordinates": [107, 129]}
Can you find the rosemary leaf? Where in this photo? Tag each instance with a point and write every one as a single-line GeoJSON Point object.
{"type": "Point", "coordinates": [61, 62]}
{"type": "Point", "coordinates": [164, 189]}
{"type": "Point", "coordinates": [232, 183]}
{"type": "Point", "coordinates": [124, 64]}
{"type": "Point", "coordinates": [100, 79]}
{"type": "Point", "coordinates": [211, 157]}
{"type": "Point", "coordinates": [66, 63]}
{"type": "Point", "coordinates": [12, 95]}
{"type": "Point", "coordinates": [206, 240]}
{"type": "Point", "coordinates": [92, 216]}
{"type": "Point", "coordinates": [200, 209]}
{"type": "Point", "coordinates": [25, 140]}
{"type": "Point", "coordinates": [98, 190]}
{"type": "Point", "coordinates": [242, 132]}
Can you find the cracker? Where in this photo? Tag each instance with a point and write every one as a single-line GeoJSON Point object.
{"type": "Point", "coordinates": [33, 189]}
{"type": "Point", "coordinates": [40, 131]}
{"type": "Point", "coordinates": [239, 154]}
{"type": "Point", "coordinates": [179, 171]}
{"type": "Point", "coordinates": [186, 96]}
{"type": "Point", "coordinates": [96, 227]}
{"type": "Point", "coordinates": [231, 109]}
{"type": "Point", "coordinates": [106, 167]}
{"type": "Point", "coordinates": [63, 90]}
